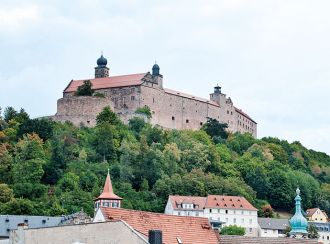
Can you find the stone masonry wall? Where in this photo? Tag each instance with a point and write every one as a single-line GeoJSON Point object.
{"type": "Point", "coordinates": [80, 110]}
{"type": "Point", "coordinates": [171, 111]}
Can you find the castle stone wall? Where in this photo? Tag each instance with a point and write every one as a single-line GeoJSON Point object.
{"type": "Point", "coordinates": [169, 110]}
{"type": "Point", "coordinates": [81, 109]}
{"type": "Point", "coordinates": [175, 111]}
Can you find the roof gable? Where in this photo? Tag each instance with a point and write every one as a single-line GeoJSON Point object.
{"type": "Point", "coordinates": [188, 229]}
{"type": "Point", "coordinates": [108, 82]}
{"type": "Point", "coordinates": [176, 201]}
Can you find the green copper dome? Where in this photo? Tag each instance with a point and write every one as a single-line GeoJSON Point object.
{"type": "Point", "coordinates": [298, 222]}
{"type": "Point", "coordinates": [102, 61]}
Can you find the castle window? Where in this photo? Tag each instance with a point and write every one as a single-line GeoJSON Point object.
{"type": "Point", "coordinates": [200, 123]}
{"type": "Point", "coordinates": [227, 111]}
{"type": "Point", "coordinates": [173, 118]}
{"type": "Point", "coordinates": [88, 121]}
{"type": "Point", "coordinates": [231, 112]}
{"type": "Point", "coordinates": [153, 100]}
{"type": "Point", "coordinates": [187, 121]}
{"type": "Point", "coordinates": [132, 98]}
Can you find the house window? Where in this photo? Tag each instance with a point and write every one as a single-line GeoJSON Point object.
{"type": "Point", "coordinates": [210, 210]}
{"type": "Point", "coordinates": [242, 221]}
{"type": "Point", "coordinates": [218, 210]}
{"type": "Point", "coordinates": [179, 213]}
{"type": "Point", "coordinates": [250, 221]}
{"type": "Point", "coordinates": [227, 220]}
{"type": "Point", "coordinates": [226, 211]}
{"type": "Point", "coordinates": [173, 118]}
{"type": "Point", "coordinates": [234, 220]}
{"type": "Point", "coordinates": [197, 214]}
{"type": "Point", "coordinates": [187, 120]}
{"type": "Point", "coordinates": [250, 229]}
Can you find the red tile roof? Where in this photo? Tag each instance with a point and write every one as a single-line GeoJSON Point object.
{"type": "Point", "coordinates": [231, 202]}
{"type": "Point", "coordinates": [244, 114]}
{"type": "Point", "coordinates": [198, 201]}
{"type": "Point", "coordinates": [180, 94]}
{"type": "Point", "coordinates": [213, 201]}
{"type": "Point", "coordinates": [108, 191]}
{"type": "Point", "coordinates": [190, 230]}
{"type": "Point", "coordinates": [108, 82]}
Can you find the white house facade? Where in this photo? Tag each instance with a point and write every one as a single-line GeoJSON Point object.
{"type": "Point", "coordinates": [220, 210]}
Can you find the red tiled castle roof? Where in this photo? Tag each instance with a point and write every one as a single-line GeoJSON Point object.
{"type": "Point", "coordinates": [108, 82]}
{"type": "Point", "coordinates": [190, 230]}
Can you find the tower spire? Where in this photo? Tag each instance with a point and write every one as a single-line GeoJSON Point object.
{"type": "Point", "coordinates": [298, 222]}
{"type": "Point", "coordinates": [107, 198]}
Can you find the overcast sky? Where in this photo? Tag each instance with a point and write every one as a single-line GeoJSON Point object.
{"type": "Point", "coordinates": [270, 57]}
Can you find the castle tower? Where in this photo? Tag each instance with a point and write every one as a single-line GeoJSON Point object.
{"type": "Point", "coordinates": [298, 222]}
{"type": "Point", "coordinates": [157, 77]}
{"type": "Point", "coordinates": [101, 70]}
{"type": "Point", "coordinates": [217, 96]}
{"type": "Point", "coordinates": [107, 199]}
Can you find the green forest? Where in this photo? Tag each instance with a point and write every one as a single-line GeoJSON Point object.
{"type": "Point", "coordinates": [49, 168]}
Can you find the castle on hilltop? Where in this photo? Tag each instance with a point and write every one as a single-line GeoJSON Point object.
{"type": "Point", "coordinates": [170, 109]}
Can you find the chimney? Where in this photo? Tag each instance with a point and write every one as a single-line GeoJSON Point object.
{"type": "Point", "coordinates": [155, 237]}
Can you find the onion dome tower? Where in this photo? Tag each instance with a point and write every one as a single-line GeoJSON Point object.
{"type": "Point", "coordinates": [101, 70]}
{"type": "Point", "coordinates": [298, 222]}
{"type": "Point", "coordinates": [155, 70]}
{"type": "Point", "coordinates": [107, 199]}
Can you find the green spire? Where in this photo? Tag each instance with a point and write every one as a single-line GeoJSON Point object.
{"type": "Point", "coordinates": [298, 222]}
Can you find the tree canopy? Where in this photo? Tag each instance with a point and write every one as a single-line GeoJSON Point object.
{"type": "Point", "coordinates": [49, 168]}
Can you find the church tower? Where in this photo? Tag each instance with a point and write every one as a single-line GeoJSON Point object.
{"type": "Point", "coordinates": [107, 199]}
{"type": "Point", "coordinates": [101, 70]}
{"type": "Point", "coordinates": [298, 222]}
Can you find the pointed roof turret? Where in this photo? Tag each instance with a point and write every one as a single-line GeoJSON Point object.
{"type": "Point", "coordinates": [108, 190]}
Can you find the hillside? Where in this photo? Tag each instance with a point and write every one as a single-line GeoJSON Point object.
{"type": "Point", "coordinates": [47, 168]}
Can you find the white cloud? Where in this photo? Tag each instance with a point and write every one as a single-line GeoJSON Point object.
{"type": "Point", "coordinates": [12, 19]}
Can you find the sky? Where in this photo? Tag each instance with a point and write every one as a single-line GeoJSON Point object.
{"type": "Point", "coordinates": [271, 57]}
